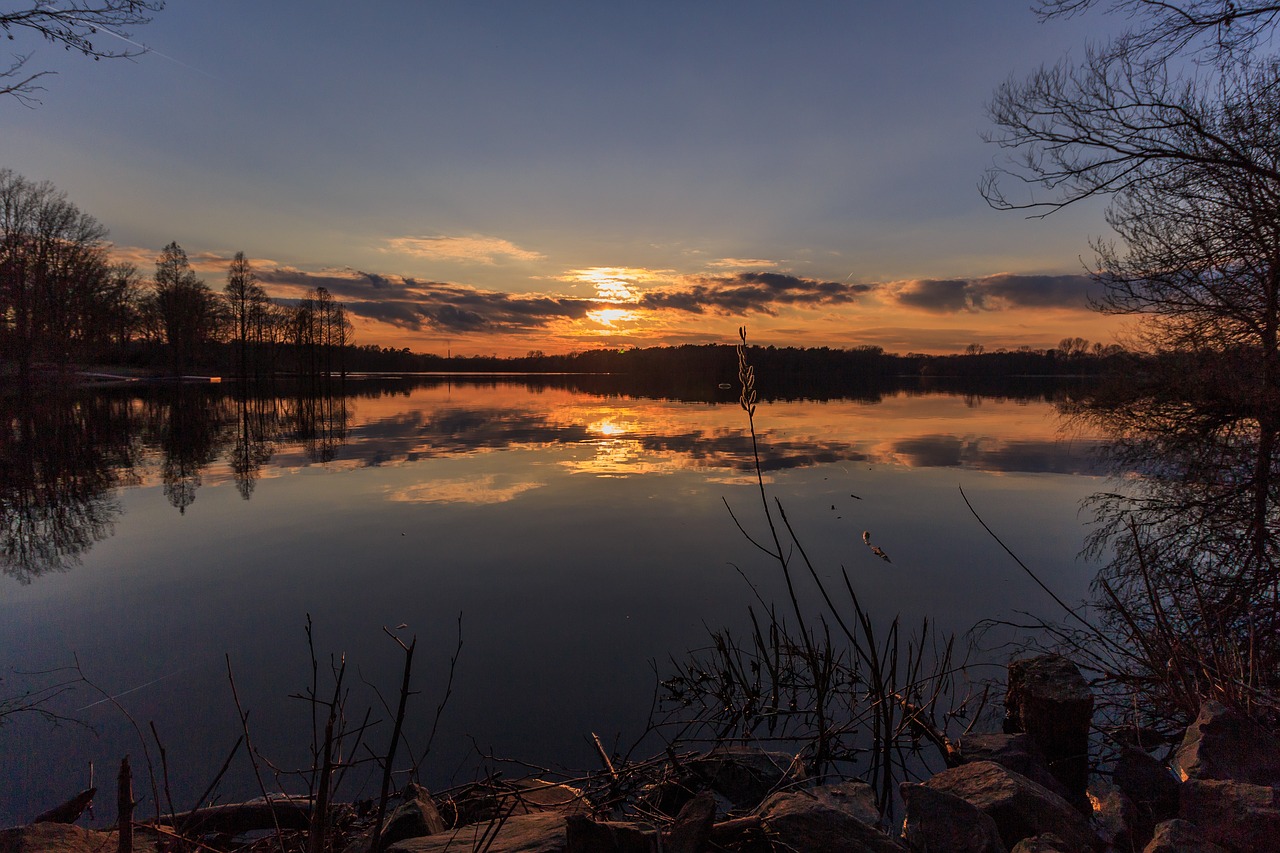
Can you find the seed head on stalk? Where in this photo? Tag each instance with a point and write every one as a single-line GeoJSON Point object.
{"type": "Point", "coordinates": [746, 376]}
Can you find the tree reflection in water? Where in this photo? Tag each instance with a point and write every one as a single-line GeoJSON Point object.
{"type": "Point", "coordinates": [61, 458]}
{"type": "Point", "coordinates": [1189, 538]}
{"type": "Point", "coordinates": [64, 455]}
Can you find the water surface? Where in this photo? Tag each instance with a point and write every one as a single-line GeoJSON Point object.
{"type": "Point", "coordinates": [580, 532]}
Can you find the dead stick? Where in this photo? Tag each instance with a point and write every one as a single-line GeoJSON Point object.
{"type": "Point", "coordinates": [376, 842]}
{"type": "Point", "coordinates": [604, 756]}
{"type": "Point", "coordinates": [124, 808]}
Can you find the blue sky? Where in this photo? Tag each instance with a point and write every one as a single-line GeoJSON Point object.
{"type": "Point", "coordinates": [512, 176]}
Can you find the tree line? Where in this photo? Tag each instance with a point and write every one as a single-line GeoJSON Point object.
{"type": "Point", "coordinates": [63, 302]}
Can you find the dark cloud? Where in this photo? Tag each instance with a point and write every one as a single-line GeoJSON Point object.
{"type": "Point", "coordinates": [751, 292]}
{"type": "Point", "coordinates": [940, 296]}
{"type": "Point", "coordinates": [988, 454]}
{"type": "Point", "coordinates": [414, 304]}
{"type": "Point", "coordinates": [995, 293]}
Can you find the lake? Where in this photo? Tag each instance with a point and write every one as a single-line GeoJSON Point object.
{"type": "Point", "coordinates": [580, 533]}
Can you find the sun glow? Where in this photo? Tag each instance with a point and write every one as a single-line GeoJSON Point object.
{"type": "Point", "coordinates": [611, 316]}
{"type": "Point", "coordinates": [608, 428]}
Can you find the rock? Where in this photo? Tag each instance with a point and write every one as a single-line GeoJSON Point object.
{"type": "Point", "coordinates": [822, 819]}
{"type": "Point", "coordinates": [1016, 751]}
{"type": "Point", "coordinates": [692, 827]}
{"type": "Point", "coordinates": [745, 775]}
{"type": "Point", "coordinates": [1178, 836]}
{"type": "Point", "coordinates": [66, 838]}
{"type": "Point", "coordinates": [1236, 815]}
{"type": "Point", "coordinates": [486, 801]}
{"type": "Point", "coordinates": [584, 835]}
{"type": "Point", "coordinates": [1047, 843]}
{"type": "Point", "coordinates": [524, 833]}
{"type": "Point", "coordinates": [1115, 818]}
{"type": "Point", "coordinates": [935, 821]}
{"type": "Point", "coordinates": [1150, 784]}
{"type": "Point", "coordinates": [1049, 699]}
{"type": "Point", "coordinates": [415, 817]}
{"type": "Point", "coordinates": [1019, 807]}
{"type": "Point", "coordinates": [1222, 743]}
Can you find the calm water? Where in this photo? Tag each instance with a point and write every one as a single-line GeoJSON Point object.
{"type": "Point", "coordinates": [581, 533]}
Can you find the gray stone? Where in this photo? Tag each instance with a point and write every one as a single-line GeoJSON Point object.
{"type": "Point", "coordinates": [817, 820]}
{"type": "Point", "coordinates": [745, 775]}
{"type": "Point", "coordinates": [415, 817]}
{"type": "Point", "coordinates": [1115, 817]}
{"type": "Point", "coordinates": [935, 821]}
{"type": "Point", "coordinates": [1049, 699]}
{"type": "Point", "coordinates": [527, 833]}
{"type": "Point", "coordinates": [1240, 816]}
{"type": "Point", "coordinates": [1019, 807]}
{"type": "Point", "coordinates": [1150, 784]}
{"type": "Point", "coordinates": [1017, 751]}
{"type": "Point", "coordinates": [585, 835]}
{"type": "Point", "coordinates": [1222, 743]}
{"type": "Point", "coordinates": [691, 830]}
{"type": "Point", "coordinates": [1179, 836]}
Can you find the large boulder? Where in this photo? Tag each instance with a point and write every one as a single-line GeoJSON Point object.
{"type": "Point", "coordinates": [827, 819]}
{"type": "Point", "coordinates": [1050, 700]}
{"type": "Point", "coordinates": [1149, 783]}
{"type": "Point", "coordinates": [745, 775]}
{"type": "Point", "coordinates": [1222, 743]}
{"type": "Point", "coordinates": [1116, 818]}
{"type": "Point", "coordinates": [1240, 816]}
{"type": "Point", "coordinates": [414, 817]}
{"type": "Point", "coordinates": [1017, 751]}
{"type": "Point", "coordinates": [935, 821]}
{"type": "Point", "coordinates": [1019, 807]}
{"type": "Point", "coordinates": [1178, 836]}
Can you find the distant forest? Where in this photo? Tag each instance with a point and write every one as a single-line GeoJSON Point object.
{"type": "Point", "coordinates": [64, 304]}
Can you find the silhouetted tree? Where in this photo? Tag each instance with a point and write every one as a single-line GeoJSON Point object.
{"type": "Point", "coordinates": [246, 305]}
{"type": "Point", "coordinates": [1221, 30]}
{"type": "Point", "coordinates": [184, 305]}
{"type": "Point", "coordinates": [54, 294]}
{"type": "Point", "coordinates": [75, 25]}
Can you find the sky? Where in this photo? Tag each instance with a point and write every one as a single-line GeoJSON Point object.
{"type": "Point", "coordinates": [504, 177]}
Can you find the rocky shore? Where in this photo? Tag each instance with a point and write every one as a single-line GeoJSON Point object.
{"type": "Point", "coordinates": [1032, 788]}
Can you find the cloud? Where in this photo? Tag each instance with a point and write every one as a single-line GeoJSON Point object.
{"type": "Point", "coordinates": [484, 490]}
{"type": "Point", "coordinates": [476, 249]}
{"type": "Point", "coordinates": [415, 304]}
{"type": "Point", "coordinates": [741, 263]}
{"type": "Point", "coordinates": [999, 292]}
{"type": "Point", "coordinates": [751, 292]}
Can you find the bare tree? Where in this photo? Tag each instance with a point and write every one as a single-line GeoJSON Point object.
{"type": "Point", "coordinates": [185, 306]}
{"type": "Point", "coordinates": [1219, 29]}
{"type": "Point", "coordinates": [52, 273]}
{"type": "Point", "coordinates": [1201, 245]}
{"type": "Point", "coordinates": [75, 25]}
{"type": "Point", "coordinates": [245, 300]}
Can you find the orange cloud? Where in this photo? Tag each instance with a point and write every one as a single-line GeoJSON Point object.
{"type": "Point", "coordinates": [476, 249]}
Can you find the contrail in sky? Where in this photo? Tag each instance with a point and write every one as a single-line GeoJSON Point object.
{"type": "Point", "coordinates": [144, 48]}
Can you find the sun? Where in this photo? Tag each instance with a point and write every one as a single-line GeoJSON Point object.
{"type": "Point", "coordinates": [611, 316]}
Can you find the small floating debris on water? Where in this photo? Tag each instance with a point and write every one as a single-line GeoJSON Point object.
{"type": "Point", "coordinates": [875, 549]}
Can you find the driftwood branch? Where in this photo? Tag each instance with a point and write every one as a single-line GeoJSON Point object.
{"type": "Point", "coordinates": [70, 811]}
